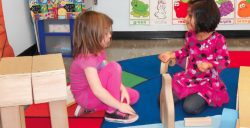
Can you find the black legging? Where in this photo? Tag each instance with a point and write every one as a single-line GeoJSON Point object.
{"type": "Point", "coordinates": [193, 104]}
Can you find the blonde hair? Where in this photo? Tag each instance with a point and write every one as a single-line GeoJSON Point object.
{"type": "Point", "coordinates": [89, 30]}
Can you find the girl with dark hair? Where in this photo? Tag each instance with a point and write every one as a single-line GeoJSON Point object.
{"type": "Point", "coordinates": [96, 84]}
{"type": "Point", "coordinates": [200, 85]}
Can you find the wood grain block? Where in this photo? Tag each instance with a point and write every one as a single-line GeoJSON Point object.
{"type": "Point", "coordinates": [244, 100]}
{"type": "Point", "coordinates": [59, 114]}
{"type": "Point", "coordinates": [48, 78]}
{"type": "Point", "coordinates": [70, 97]}
{"type": "Point", "coordinates": [201, 121]}
{"type": "Point", "coordinates": [13, 117]}
{"type": "Point", "coordinates": [164, 66]}
{"type": "Point", "coordinates": [237, 101]}
{"type": "Point", "coordinates": [167, 111]}
{"type": "Point", "coordinates": [237, 123]}
{"type": "Point", "coordinates": [15, 81]}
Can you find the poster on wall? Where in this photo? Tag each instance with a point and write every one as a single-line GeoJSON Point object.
{"type": "Point", "coordinates": [139, 12]}
{"type": "Point", "coordinates": [227, 9]}
{"type": "Point", "coordinates": [161, 12]}
{"type": "Point", "coordinates": [242, 12]}
{"type": "Point", "coordinates": [56, 9]}
{"type": "Point", "coordinates": [179, 8]}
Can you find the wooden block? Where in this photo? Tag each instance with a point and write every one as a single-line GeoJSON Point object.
{"type": "Point", "coordinates": [244, 100]}
{"type": "Point", "coordinates": [167, 112]}
{"type": "Point", "coordinates": [48, 78]}
{"type": "Point", "coordinates": [15, 81]}
{"type": "Point", "coordinates": [70, 98]}
{"type": "Point", "coordinates": [237, 101]}
{"type": "Point", "coordinates": [22, 116]}
{"type": "Point", "coordinates": [172, 62]}
{"type": "Point", "coordinates": [237, 124]}
{"type": "Point", "coordinates": [164, 67]}
{"type": "Point", "coordinates": [13, 117]}
{"type": "Point", "coordinates": [202, 121]}
{"type": "Point", "coordinates": [58, 114]}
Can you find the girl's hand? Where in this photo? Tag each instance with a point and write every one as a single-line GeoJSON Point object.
{"type": "Point", "coordinates": [164, 57]}
{"type": "Point", "coordinates": [124, 95]}
{"type": "Point", "coordinates": [125, 108]}
{"type": "Point", "coordinates": [204, 66]}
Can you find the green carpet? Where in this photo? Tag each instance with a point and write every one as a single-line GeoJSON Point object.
{"type": "Point", "coordinates": [130, 80]}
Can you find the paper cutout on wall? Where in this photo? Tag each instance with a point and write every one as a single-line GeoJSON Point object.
{"type": "Point", "coordinates": [226, 8]}
{"type": "Point", "coordinates": [242, 12]}
{"type": "Point", "coordinates": [179, 11]}
{"type": "Point", "coordinates": [161, 12]}
{"type": "Point", "coordinates": [139, 12]}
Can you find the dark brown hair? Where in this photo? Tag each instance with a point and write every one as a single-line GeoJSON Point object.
{"type": "Point", "coordinates": [89, 30]}
{"type": "Point", "coordinates": [206, 14]}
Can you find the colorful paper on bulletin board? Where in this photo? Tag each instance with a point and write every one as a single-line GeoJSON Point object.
{"type": "Point", "coordinates": [179, 11]}
{"type": "Point", "coordinates": [161, 13]}
{"type": "Point", "coordinates": [242, 12]}
{"type": "Point", "coordinates": [139, 12]}
{"type": "Point", "coordinates": [227, 11]}
{"type": "Point", "coordinates": [56, 9]}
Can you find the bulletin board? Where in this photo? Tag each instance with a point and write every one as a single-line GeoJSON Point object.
{"type": "Point", "coordinates": [173, 12]}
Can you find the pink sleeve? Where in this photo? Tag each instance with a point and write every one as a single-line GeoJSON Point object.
{"type": "Point", "coordinates": [87, 62]}
{"type": "Point", "coordinates": [184, 52]}
{"type": "Point", "coordinates": [222, 60]}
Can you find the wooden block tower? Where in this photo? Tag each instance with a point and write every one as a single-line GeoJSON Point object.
{"type": "Point", "coordinates": [49, 85]}
{"type": "Point", "coordinates": [15, 90]}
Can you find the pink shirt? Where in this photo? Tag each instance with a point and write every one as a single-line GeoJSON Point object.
{"type": "Point", "coordinates": [77, 75]}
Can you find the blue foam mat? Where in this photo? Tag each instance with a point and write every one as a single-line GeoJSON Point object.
{"type": "Point", "coordinates": [229, 118]}
{"type": "Point", "coordinates": [147, 107]}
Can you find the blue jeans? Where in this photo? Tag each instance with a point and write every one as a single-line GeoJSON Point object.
{"type": "Point", "coordinates": [193, 104]}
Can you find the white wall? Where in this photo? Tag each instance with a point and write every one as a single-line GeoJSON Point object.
{"type": "Point", "coordinates": [118, 10]}
{"type": "Point", "coordinates": [20, 30]}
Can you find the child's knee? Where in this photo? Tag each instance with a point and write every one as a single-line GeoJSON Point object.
{"type": "Point", "coordinates": [134, 96]}
{"type": "Point", "coordinates": [137, 96]}
{"type": "Point", "coordinates": [115, 66]}
{"type": "Point", "coordinates": [192, 109]}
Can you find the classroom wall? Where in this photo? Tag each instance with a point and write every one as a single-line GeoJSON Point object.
{"type": "Point", "coordinates": [118, 10]}
{"type": "Point", "coordinates": [18, 24]}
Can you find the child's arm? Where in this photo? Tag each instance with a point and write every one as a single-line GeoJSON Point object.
{"type": "Point", "coordinates": [222, 61]}
{"type": "Point", "coordinates": [180, 54]}
{"type": "Point", "coordinates": [102, 94]}
{"type": "Point", "coordinates": [165, 57]}
{"type": "Point", "coordinates": [184, 52]}
{"type": "Point", "coordinates": [222, 57]}
{"type": "Point", "coordinates": [124, 94]}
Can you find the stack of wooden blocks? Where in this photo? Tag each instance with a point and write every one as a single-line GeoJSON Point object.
{"type": "Point", "coordinates": [26, 79]}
